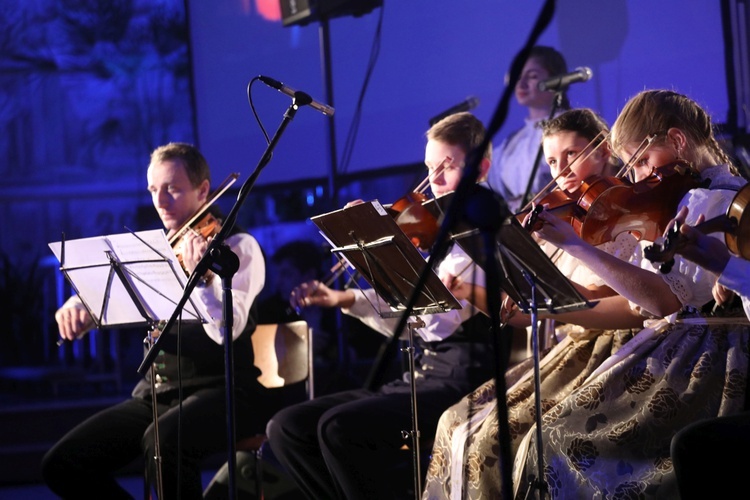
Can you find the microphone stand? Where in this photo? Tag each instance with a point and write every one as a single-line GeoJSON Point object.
{"type": "Point", "coordinates": [222, 261]}
{"type": "Point", "coordinates": [148, 341]}
{"type": "Point", "coordinates": [414, 432]}
{"type": "Point", "coordinates": [539, 483]}
{"type": "Point", "coordinates": [440, 248]}
{"type": "Point", "coordinates": [556, 103]}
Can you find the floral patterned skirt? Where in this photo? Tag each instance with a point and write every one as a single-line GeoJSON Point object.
{"type": "Point", "coordinates": [611, 437]}
{"type": "Point", "coordinates": [465, 455]}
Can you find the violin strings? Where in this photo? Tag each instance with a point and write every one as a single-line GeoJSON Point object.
{"type": "Point", "coordinates": [566, 170]}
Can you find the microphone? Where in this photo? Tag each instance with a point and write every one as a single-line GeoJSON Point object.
{"type": "Point", "coordinates": [562, 82]}
{"type": "Point", "coordinates": [468, 104]}
{"type": "Point", "coordinates": [300, 97]}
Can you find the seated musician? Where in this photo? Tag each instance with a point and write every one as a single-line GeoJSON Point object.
{"type": "Point", "coordinates": [349, 444]}
{"type": "Point", "coordinates": [190, 390]}
{"type": "Point", "coordinates": [709, 448]}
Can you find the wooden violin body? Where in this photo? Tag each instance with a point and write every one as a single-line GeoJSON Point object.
{"type": "Point", "coordinates": [614, 206]}
{"type": "Point", "coordinates": [203, 221]}
{"type": "Point", "coordinates": [609, 206]}
{"type": "Point", "coordinates": [417, 222]}
{"type": "Point", "coordinates": [738, 240]}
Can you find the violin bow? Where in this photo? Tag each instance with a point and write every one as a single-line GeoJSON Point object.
{"type": "Point", "coordinates": [425, 182]}
{"type": "Point", "coordinates": [642, 148]}
{"type": "Point", "coordinates": [209, 201]}
{"type": "Point", "coordinates": [542, 192]}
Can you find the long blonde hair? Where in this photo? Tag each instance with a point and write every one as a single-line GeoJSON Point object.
{"type": "Point", "coordinates": [655, 112]}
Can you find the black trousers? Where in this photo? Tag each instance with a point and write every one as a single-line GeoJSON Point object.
{"type": "Point", "coordinates": [349, 444]}
{"type": "Point", "coordinates": [84, 462]}
{"type": "Point", "coordinates": [711, 458]}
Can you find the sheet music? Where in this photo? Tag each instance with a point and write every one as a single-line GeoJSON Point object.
{"type": "Point", "coordinates": [367, 236]}
{"type": "Point", "coordinates": [150, 267]}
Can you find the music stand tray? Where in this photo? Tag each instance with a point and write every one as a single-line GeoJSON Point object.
{"type": "Point", "coordinates": [367, 236]}
{"type": "Point", "coordinates": [129, 279]}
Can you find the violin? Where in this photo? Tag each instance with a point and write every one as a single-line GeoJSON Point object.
{"type": "Point", "coordinates": [643, 208]}
{"type": "Point", "coordinates": [570, 207]}
{"type": "Point", "coordinates": [203, 221]}
{"type": "Point", "coordinates": [609, 206]}
{"type": "Point", "coordinates": [417, 222]}
{"type": "Point", "coordinates": [735, 224]}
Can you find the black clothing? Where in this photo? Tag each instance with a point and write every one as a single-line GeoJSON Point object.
{"type": "Point", "coordinates": [349, 444]}
{"type": "Point", "coordinates": [83, 463]}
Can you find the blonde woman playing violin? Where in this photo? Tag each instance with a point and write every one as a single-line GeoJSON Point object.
{"type": "Point", "coordinates": [611, 436]}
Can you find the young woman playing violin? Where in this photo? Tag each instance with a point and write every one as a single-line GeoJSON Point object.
{"type": "Point", "coordinates": [575, 149]}
{"type": "Point", "coordinates": [612, 434]}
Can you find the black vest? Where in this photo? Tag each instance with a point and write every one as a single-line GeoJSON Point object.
{"type": "Point", "coordinates": [202, 359]}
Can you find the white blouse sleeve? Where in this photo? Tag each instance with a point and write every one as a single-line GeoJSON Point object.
{"type": "Point", "coordinates": [690, 283]}
{"type": "Point", "coordinates": [736, 277]}
{"type": "Point", "coordinates": [247, 283]}
{"type": "Point", "coordinates": [437, 326]}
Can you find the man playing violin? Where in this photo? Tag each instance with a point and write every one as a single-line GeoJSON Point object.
{"type": "Point", "coordinates": [349, 444]}
{"type": "Point", "coordinates": [190, 402]}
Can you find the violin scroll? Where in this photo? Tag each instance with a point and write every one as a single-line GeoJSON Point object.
{"type": "Point", "coordinates": [644, 208]}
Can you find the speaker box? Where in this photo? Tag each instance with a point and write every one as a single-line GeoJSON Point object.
{"type": "Point", "coordinates": [301, 12]}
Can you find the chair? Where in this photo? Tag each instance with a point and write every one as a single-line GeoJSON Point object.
{"type": "Point", "coordinates": [283, 353]}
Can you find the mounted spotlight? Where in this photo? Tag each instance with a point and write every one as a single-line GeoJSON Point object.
{"type": "Point", "coordinates": [302, 12]}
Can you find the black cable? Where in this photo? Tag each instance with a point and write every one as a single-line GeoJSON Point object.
{"type": "Point", "coordinates": [354, 126]}
{"type": "Point", "coordinates": [456, 210]}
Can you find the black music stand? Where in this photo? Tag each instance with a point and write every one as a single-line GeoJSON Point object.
{"type": "Point", "coordinates": [520, 258]}
{"type": "Point", "coordinates": [367, 236]}
{"type": "Point", "coordinates": [129, 280]}
{"type": "Point", "coordinates": [531, 280]}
